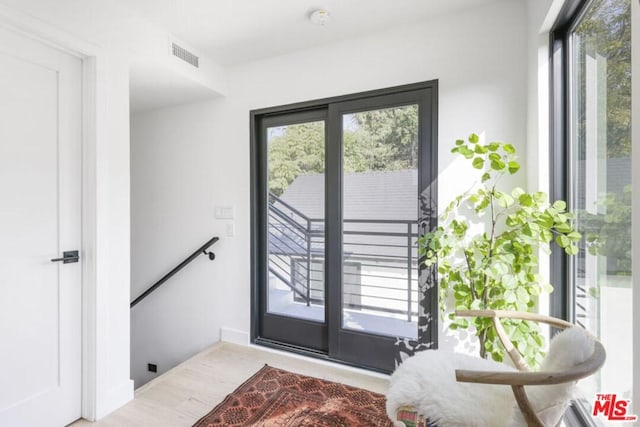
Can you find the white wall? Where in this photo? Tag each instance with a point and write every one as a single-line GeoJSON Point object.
{"type": "Point", "coordinates": [541, 15]}
{"type": "Point", "coordinates": [539, 21]}
{"type": "Point", "coordinates": [480, 59]}
{"type": "Point", "coordinates": [174, 159]}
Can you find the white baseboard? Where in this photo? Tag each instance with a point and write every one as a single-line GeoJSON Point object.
{"type": "Point", "coordinates": [234, 336]}
{"type": "Point", "coordinates": [114, 399]}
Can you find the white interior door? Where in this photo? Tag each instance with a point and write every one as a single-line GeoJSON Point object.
{"type": "Point", "coordinates": [40, 184]}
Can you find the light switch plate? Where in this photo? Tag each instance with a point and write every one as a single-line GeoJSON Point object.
{"type": "Point", "coordinates": [224, 212]}
{"type": "Point", "coordinates": [231, 229]}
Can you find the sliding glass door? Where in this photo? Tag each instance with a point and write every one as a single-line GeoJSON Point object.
{"type": "Point", "coordinates": [599, 179]}
{"type": "Point", "coordinates": [377, 225]}
{"type": "Point", "coordinates": [342, 191]}
{"type": "Point", "coordinates": [293, 292]}
{"type": "Point", "coordinates": [593, 171]}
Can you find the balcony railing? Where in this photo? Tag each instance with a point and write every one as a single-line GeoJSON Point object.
{"type": "Point", "coordinates": [380, 261]}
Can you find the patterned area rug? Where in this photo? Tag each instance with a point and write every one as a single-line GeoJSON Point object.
{"type": "Point", "coordinates": [274, 397]}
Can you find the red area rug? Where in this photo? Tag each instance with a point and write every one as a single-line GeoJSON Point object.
{"type": "Point", "coordinates": [274, 397]}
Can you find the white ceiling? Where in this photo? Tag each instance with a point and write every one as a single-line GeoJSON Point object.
{"type": "Point", "coordinates": [235, 31]}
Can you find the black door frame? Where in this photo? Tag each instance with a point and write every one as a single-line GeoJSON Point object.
{"type": "Point", "coordinates": [310, 335]}
{"type": "Point", "coordinates": [340, 344]}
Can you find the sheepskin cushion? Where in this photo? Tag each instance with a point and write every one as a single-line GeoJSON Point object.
{"type": "Point", "coordinates": [427, 382]}
{"type": "Point", "coordinates": [567, 349]}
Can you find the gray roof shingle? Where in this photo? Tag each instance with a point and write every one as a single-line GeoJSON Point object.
{"type": "Point", "coordinates": [384, 195]}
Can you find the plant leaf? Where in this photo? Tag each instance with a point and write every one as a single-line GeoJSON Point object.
{"type": "Point", "coordinates": [575, 236]}
{"type": "Point", "coordinates": [560, 205]}
{"type": "Point", "coordinates": [572, 250]}
{"type": "Point", "coordinates": [563, 241]}
{"type": "Point", "coordinates": [478, 163]}
{"type": "Point", "coordinates": [465, 151]}
{"type": "Point", "coordinates": [517, 192]}
{"type": "Point", "coordinates": [546, 235]}
{"type": "Point", "coordinates": [513, 167]}
{"type": "Point", "coordinates": [497, 165]}
{"type": "Point", "coordinates": [480, 149]}
{"type": "Point", "coordinates": [525, 199]}
{"type": "Point", "coordinates": [522, 295]}
{"type": "Point", "coordinates": [508, 148]}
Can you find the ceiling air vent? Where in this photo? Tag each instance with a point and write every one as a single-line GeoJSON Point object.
{"type": "Point", "coordinates": [185, 55]}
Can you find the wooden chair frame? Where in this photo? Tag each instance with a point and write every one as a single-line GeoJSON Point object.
{"type": "Point", "coordinates": [517, 380]}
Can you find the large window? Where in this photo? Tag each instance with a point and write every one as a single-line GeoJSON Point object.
{"type": "Point", "coordinates": [595, 177]}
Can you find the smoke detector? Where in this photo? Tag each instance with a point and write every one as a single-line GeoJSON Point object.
{"type": "Point", "coordinates": [319, 17]}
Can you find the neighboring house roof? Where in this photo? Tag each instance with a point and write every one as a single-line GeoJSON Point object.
{"type": "Point", "coordinates": [389, 195]}
{"type": "Point", "coordinates": [375, 196]}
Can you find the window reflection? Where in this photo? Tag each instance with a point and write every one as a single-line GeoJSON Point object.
{"type": "Point", "coordinates": [600, 178]}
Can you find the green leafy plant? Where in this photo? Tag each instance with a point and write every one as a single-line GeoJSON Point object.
{"type": "Point", "coordinates": [486, 248]}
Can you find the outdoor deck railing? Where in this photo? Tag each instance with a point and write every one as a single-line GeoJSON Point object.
{"type": "Point", "coordinates": [380, 260]}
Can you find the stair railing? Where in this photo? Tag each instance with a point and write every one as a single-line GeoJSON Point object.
{"type": "Point", "coordinates": [295, 235]}
{"type": "Point", "coordinates": [201, 250]}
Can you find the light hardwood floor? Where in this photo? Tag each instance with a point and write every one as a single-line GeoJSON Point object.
{"type": "Point", "coordinates": [184, 394]}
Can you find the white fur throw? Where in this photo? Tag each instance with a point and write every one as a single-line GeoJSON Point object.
{"type": "Point", "coordinates": [427, 382]}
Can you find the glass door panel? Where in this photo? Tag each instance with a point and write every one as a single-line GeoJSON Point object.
{"type": "Point", "coordinates": [379, 221]}
{"type": "Point", "coordinates": [600, 192]}
{"type": "Point", "coordinates": [295, 220]}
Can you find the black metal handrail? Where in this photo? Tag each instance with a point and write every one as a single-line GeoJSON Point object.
{"type": "Point", "coordinates": [201, 250]}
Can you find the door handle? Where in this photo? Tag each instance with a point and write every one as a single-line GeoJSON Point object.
{"type": "Point", "coordinates": [68, 257]}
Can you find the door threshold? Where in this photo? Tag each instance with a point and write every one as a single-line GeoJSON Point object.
{"type": "Point", "coordinates": [317, 356]}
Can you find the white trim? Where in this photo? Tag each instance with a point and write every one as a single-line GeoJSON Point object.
{"type": "Point", "coordinates": [537, 154]}
{"type": "Point", "coordinates": [551, 16]}
{"type": "Point", "coordinates": [115, 398]}
{"type": "Point", "coordinates": [89, 54]}
{"type": "Point", "coordinates": [234, 336]}
{"type": "Point", "coordinates": [89, 217]}
{"type": "Point", "coordinates": [46, 33]}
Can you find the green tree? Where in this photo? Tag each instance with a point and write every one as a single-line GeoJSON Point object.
{"type": "Point", "coordinates": [298, 149]}
{"type": "Point", "coordinates": [605, 31]}
{"type": "Point", "coordinates": [377, 140]}
{"type": "Point", "coordinates": [382, 140]}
